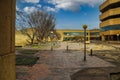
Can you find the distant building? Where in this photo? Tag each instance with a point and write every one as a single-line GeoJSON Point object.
{"type": "Point", "coordinates": [78, 35]}
{"type": "Point", "coordinates": [66, 35]}
{"type": "Point", "coordinates": [110, 20]}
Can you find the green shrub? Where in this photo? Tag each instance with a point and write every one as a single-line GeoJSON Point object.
{"type": "Point", "coordinates": [26, 60]}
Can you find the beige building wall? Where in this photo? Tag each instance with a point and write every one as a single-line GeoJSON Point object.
{"type": "Point", "coordinates": [111, 12]}
{"type": "Point", "coordinates": [107, 2]}
{"type": "Point", "coordinates": [7, 40]}
{"type": "Point", "coordinates": [62, 31]}
{"type": "Point", "coordinates": [114, 21]}
{"type": "Point", "coordinates": [110, 20]}
{"type": "Point", "coordinates": [20, 39]}
{"type": "Point", "coordinates": [111, 32]}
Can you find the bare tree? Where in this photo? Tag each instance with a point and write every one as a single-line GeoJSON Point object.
{"type": "Point", "coordinates": [44, 23]}
{"type": "Point", "coordinates": [39, 23]}
{"type": "Point", "coordinates": [57, 35]}
{"type": "Point", "coordinates": [26, 26]}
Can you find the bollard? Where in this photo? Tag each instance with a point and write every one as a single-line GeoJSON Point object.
{"type": "Point", "coordinates": [67, 47]}
{"type": "Point", "coordinates": [91, 52]}
{"type": "Point", "coordinates": [51, 48]}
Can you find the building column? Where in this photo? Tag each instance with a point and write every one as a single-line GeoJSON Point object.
{"type": "Point", "coordinates": [7, 40]}
{"type": "Point", "coordinates": [110, 37]}
{"type": "Point", "coordinates": [103, 38]}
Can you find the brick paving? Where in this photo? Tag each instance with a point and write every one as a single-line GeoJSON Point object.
{"type": "Point", "coordinates": [66, 63]}
{"type": "Point", "coordinates": [60, 64]}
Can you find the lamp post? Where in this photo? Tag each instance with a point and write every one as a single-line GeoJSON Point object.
{"type": "Point", "coordinates": [118, 37]}
{"type": "Point", "coordinates": [51, 36]}
{"type": "Point", "coordinates": [84, 27]}
{"type": "Point", "coordinates": [67, 43]}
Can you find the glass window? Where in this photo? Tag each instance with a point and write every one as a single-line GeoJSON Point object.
{"type": "Point", "coordinates": [74, 33]}
{"type": "Point", "coordinates": [94, 33]}
{"type": "Point", "coordinates": [113, 27]}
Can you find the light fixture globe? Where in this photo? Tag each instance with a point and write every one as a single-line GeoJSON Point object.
{"type": "Point", "coordinates": [51, 32]}
{"type": "Point", "coordinates": [117, 34]}
{"type": "Point", "coordinates": [85, 26]}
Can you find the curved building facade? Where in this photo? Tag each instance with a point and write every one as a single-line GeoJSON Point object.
{"type": "Point", "coordinates": [110, 20]}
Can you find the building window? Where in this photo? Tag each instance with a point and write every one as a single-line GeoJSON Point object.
{"type": "Point", "coordinates": [113, 27]}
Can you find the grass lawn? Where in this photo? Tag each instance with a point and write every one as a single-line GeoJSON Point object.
{"type": "Point", "coordinates": [39, 47]}
{"type": "Point", "coordinates": [26, 60]}
{"type": "Point", "coordinates": [18, 48]}
{"type": "Point", "coordinates": [27, 51]}
{"type": "Point", "coordinates": [26, 57]}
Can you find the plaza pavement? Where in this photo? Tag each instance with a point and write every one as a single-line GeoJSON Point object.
{"type": "Point", "coordinates": [60, 64]}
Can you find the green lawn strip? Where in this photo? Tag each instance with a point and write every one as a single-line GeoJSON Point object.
{"type": "Point", "coordinates": [35, 46]}
{"type": "Point", "coordinates": [28, 51]}
{"type": "Point", "coordinates": [41, 46]}
{"type": "Point", "coordinates": [18, 48]}
{"type": "Point", "coordinates": [26, 60]}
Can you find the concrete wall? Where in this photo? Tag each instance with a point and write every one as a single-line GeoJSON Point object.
{"type": "Point", "coordinates": [7, 31]}
{"type": "Point", "coordinates": [109, 22]}
{"type": "Point", "coordinates": [111, 12]}
{"type": "Point", "coordinates": [110, 32]}
{"type": "Point", "coordinates": [114, 21]}
{"type": "Point", "coordinates": [20, 39]}
{"type": "Point", "coordinates": [108, 2]}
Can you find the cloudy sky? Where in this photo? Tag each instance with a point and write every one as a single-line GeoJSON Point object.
{"type": "Point", "coordinates": [70, 14]}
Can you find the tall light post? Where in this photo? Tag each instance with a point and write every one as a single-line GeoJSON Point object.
{"type": "Point", "coordinates": [51, 37]}
{"type": "Point", "coordinates": [84, 27]}
{"type": "Point", "coordinates": [67, 43]}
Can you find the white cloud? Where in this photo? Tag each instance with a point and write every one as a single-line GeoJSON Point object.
{"type": "Point", "coordinates": [73, 4]}
{"type": "Point", "coordinates": [17, 8]}
{"type": "Point", "coordinates": [49, 9]}
{"type": "Point", "coordinates": [39, 6]}
{"type": "Point", "coordinates": [68, 6]}
{"type": "Point", "coordinates": [30, 9]}
{"type": "Point", "coordinates": [32, 1]}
